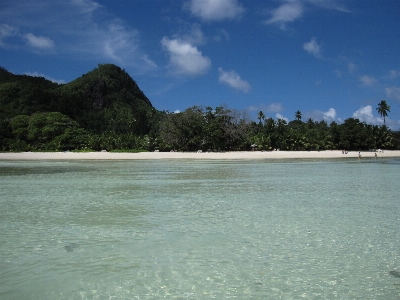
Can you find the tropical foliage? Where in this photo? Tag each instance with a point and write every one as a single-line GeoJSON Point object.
{"type": "Point", "coordinates": [205, 129]}
{"type": "Point", "coordinates": [383, 109]}
{"type": "Point", "coordinates": [105, 110]}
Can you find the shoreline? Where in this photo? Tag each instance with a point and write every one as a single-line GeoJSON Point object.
{"type": "Point", "coordinates": [234, 155]}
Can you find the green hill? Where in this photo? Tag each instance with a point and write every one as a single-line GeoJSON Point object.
{"type": "Point", "coordinates": [24, 95]}
{"type": "Point", "coordinates": [97, 100]}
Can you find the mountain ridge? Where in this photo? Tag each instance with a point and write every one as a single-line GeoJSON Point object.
{"type": "Point", "coordinates": [95, 99]}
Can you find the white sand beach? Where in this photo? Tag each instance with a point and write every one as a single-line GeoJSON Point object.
{"type": "Point", "coordinates": [234, 155]}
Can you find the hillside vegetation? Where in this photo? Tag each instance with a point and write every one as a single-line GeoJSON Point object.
{"type": "Point", "coordinates": [106, 110]}
{"type": "Point", "coordinates": [101, 106]}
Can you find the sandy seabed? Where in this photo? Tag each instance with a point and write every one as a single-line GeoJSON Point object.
{"type": "Point", "coordinates": [234, 155]}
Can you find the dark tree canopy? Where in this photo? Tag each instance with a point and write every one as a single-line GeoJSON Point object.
{"type": "Point", "coordinates": [105, 99]}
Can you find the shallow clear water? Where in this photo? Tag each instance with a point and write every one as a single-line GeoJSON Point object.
{"type": "Point", "coordinates": [280, 229]}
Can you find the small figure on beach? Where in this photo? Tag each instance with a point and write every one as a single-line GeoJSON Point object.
{"type": "Point", "coordinates": [359, 155]}
{"type": "Point", "coordinates": [376, 155]}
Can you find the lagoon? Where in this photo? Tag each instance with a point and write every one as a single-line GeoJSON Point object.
{"type": "Point", "coordinates": [200, 229]}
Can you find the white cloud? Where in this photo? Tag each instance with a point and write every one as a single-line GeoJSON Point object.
{"type": "Point", "coordinates": [194, 35]}
{"type": "Point", "coordinates": [82, 29]}
{"type": "Point", "coordinates": [215, 10]}
{"type": "Point", "coordinates": [39, 42]}
{"type": "Point", "coordinates": [364, 114]}
{"type": "Point", "coordinates": [274, 107]}
{"type": "Point", "coordinates": [86, 6]}
{"type": "Point", "coordinates": [148, 61]}
{"type": "Point", "coordinates": [185, 58]}
{"type": "Point", "coordinates": [328, 116]}
{"type": "Point", "coordinates": [36, 74]}
{"type": "Point", "coordinates": [232, 79]}
{"type": "Point", "coordinates": [312, 47]}
{"type": "Point", "coordinates": [393, 92]}
{"type": "Point", "coordinates": [279, 116]}
{"type": "Point", "coordinates": [329, 4]}
{"type": "Point", "coordinates": [5, 32]}
{"type": "Point", "coordinates": [367, 80]}
{"type": "Point", "coordinates": [117, 40]}
{"type": "Point", "coordinates": [292, 10]}
{"type": "Point", "coordinates": [287, 12]}
{"type": "Point", "coordinates": [102, 35]}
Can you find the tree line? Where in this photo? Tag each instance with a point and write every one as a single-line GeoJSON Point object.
{"type": "Point", "coordinates": [224, 129]}
{"type": "Point", "coordinates": [196, 128]}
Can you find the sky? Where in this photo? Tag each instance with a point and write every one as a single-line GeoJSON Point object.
{"type": "Point", "coordinates": [330, 59]}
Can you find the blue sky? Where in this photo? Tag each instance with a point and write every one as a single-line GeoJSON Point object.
{"type": "Point", "coordinates": [330, 59]}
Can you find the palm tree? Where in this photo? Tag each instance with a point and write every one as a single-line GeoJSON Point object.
{"type": "Point", "coordinates": [297, 115]}
{"type": "Point", "coordinates": [261, 116]}
{"type": "Point", "coordinates": [383, 108]}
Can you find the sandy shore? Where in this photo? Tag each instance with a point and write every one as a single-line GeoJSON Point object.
{"type": "Point", "coordinates": [193, 155]}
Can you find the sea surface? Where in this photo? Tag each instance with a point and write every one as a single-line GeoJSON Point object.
{"type": "Point", "coordinates": [190, 229]}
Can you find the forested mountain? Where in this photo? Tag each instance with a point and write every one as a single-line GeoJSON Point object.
{"type": "Point", "coordinates": [24, 95]}
{"type": "Point", "coordinates": [105, 99]}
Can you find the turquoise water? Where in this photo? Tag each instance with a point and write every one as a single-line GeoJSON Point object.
{"type": "Point", "coordinates": [278, 229]}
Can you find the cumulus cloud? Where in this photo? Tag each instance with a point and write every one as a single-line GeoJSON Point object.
{"type": "Point", "coordinates": [364, 114]}
{"type": "Point", "coordinates": [233, 80]}
{"type": "Point", "coordinates": [329, 116]}
{"type": "Point", "coordinates": [287, 12]}
{"type": "Point", "coordinates": [39, 42]}
{"type": "Point", "coordinates": [215, 10]}
{"type": "Point", "coordinates": [279, 116]}
{"type": "Point", "coordinates": [367, 80]}
{"type": "Point", "coordinates": [312, 47]}
{"type": "Point", "coordinates": [185, 58]}
{"type": "Point", "coordinates": [393, 92]}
